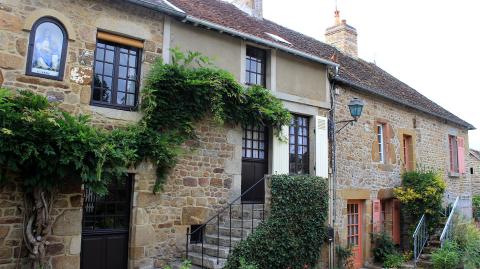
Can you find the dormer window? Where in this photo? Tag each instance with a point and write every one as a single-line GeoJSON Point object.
{"type": "Point", "coordinates": [255, 66]}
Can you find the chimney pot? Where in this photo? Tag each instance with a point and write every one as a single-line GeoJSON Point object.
{"type": "Point", "coordinates": [252, 7]}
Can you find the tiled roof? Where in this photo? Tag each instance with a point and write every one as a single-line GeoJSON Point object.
{"type": "Point", "coordinates": [354, 72]}
{"type": "Point", "coordinates": [475, 153]}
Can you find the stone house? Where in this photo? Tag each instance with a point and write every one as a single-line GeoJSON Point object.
{"type": "Point", "coordinates": [91, 56]}
{"type": "Point", "coordinates": [474, 170]}
{"type": "Point", "coordinates": [398, 130]}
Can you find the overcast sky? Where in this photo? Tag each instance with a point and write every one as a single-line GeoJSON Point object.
{"type": "Point", "coordinates": [431, 45]}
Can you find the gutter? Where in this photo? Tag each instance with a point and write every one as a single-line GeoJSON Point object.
{"type": "Point", "coordinates": [166, 8]}
{"type": "Point", "coordinates": [169, 9]}
{"type": "Point", "coordinates": [223, 29]}
{"type": "Point", "coordinates": [368, 90]}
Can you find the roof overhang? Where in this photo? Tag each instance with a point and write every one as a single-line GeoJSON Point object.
{"type": "Point", "coordinates": [169, 9]}
{"type": "Point", "coordinates": [359, 87]}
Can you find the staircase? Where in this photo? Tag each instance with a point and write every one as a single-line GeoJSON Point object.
{"type": "Point", "coordinates": [209, 245]}
{"type": "Point", "coordinates": [219, 238]}
{"type": "Point", "coordinates": [425, 260]}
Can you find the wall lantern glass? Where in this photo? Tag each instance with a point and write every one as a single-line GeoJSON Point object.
{"type": "Point", "coordinates": [356, 108]}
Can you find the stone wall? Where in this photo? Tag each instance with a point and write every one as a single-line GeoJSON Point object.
{"type": "Point", "coordinates": [65, 241]}
{"type": "Point", "coordinates": [360, 175]}
{"type": "Point", "coordinates": [474, 163]}
{"type": "Point", "coordinates": [202, 182]}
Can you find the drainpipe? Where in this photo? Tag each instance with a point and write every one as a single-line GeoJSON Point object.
{"type": "Point", "coordinates": [333, 176]}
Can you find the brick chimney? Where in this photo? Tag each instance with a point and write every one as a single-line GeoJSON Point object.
{"type": "Point", "coordinates": [342, 36]}
{"type": "Point", "coordinates": [252, 7]}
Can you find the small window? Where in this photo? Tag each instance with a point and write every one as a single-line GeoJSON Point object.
{"type": "Point", "coordinates": [47, 49]}
{"type": "Point", "coordinates": [255, 66]}
{"type": "Point", "coordinates": [381, 140]}
{"type": "Point", "coordinates": [454, 165]}
{"type": "Point", "coordinates": [197, 234]}
{"type": "Point", "coordinates": [298, 143]}
{"type": "Point", "coordinates": [472, 171]}
{"type": "Point", "coordinates": [116, 75]}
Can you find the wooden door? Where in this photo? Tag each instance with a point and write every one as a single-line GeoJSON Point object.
{"type": "Point", "coordinates": [396, 221]}
{"type": "Point", "coordinates": [254, 163]}
{"type": "Point", "coordinates": [354, 228]}
{"type": "Point", "coordinates": [106, 225]}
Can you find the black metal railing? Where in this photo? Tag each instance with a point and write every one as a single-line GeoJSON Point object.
{"type": "Point", "coordinates": [219, 218]}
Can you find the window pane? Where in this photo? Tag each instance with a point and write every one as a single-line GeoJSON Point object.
{"type": "Point", "coordinates": [131, 86]}
{"type": "Point", "coordinates": [98, 68]}
{"type": "Point", "coordinates": [122, 85]}
{"type": "Point", "coordinates": [109, 56]}
{"type": "Point", "coordinates": [132, 61]}
{"type": "Point", "coordinates": [123, 59]}
{"type": "Point", "coordinates": [130, 99]}
{"type": "Point", "coordinates": [97, 93]}
{"type": "Point", "coordinates": [120, 98]}
{"type": "Point", "coordinates": [122, 72]}
{"type": "Point", "coordinates": [100, 54]}
{"type": "Point", "coordinates": [97, 81]}
{"type": "Point", "coordinates": [107, 96]}
{"type": "Point", "coordinates": [107, 82]}
{"type": "Point", "coordinates": [132, 73]}
{"type": "Point", "coordinates": [108, 69]}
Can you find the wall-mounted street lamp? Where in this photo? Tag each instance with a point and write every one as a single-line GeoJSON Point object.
{"type": "Point", "coordinates": [356, 109]}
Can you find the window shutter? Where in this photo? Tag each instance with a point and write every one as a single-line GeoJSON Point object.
{"type": "Point", "coordinates": [321, 147]}
{"type": "Point", "coordinates": [280, 153]}
{"type": "Point", "coordinates": [377, 211]}
{"type": "Point", "coordinates": [461, 155]}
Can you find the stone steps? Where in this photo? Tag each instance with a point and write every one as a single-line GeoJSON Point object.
{"type": "Point", "coordinates": [211, 250]}
{"type": "Point", "coordinates": [209, 262]}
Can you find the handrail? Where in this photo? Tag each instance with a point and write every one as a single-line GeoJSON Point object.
{"type": "Point", "coordinates": [420, 238]}
{"type": "Point", "coordinates": [225, 208]}
{"type": "Point", "coordinates": [446, 233]}
{"type": "Point", "coordinates": [211, 220]}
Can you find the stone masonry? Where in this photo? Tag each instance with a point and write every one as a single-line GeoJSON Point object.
{"type": "Point", "coordinates": [473, 166]}
{"type": "Point", "coordinates": [207, 174]}
{"type": "Point", "coordinates": [360, 176]}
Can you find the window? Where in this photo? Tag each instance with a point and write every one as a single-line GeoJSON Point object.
{"type": "Point", "coordinates": [196, 235]}
{"type": "Point", "coordinates": [298, 142]}
{"type": "Point", "coordinates": [47, 49]}
{"type": "Point", "coordinates": [472, 171]}
{"type": "Point", "coordinates": [255, 66]}
{"type": "Point", "coordinates": [380, 140]}
{"type": "Point", "coordinates": [116, 77]}
{"type": "Point", "coordinates": [408, 153]}
{"type": "Point", "coordinates": [454, 167]}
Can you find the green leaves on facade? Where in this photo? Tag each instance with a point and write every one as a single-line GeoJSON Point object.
{"type": "Point", "coordinates": [295, 231]}
{"type": "Point", "coordinates": [45, 146]}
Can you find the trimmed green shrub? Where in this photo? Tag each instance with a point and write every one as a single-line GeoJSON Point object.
{"type": "Point", "coordinates": [393, 261]}
{"type": "Point", "coordinates": [383, 246]}
{"type": "Point", "coordinates": [294, 232]}
{"type": "Point", "coordinates": [447, 257]}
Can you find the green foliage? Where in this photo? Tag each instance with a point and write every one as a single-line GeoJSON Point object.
{"type": "Point", "coordinates": [447, 257]}
{"type": "Point", "coordinates": [45, 146]}
{"type": "Point", "coordinates": [394, 260]}
{"type": "Point", "coordinates": [421, 193]}
{"type": "Point", "coordinates": [294, 232]}
{"type": "Point", "coordinates": [383, 247]}
{"type": "Point", "coordinates": [467, 237]}
{"type": "Point", "coordinates": [185, 265]}
{"type": "Point", "coordinates": [344, 257]}
{"type": "Point", "coordinates": [476, 207]}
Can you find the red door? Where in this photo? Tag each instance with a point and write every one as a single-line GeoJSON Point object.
{"type": "Point", "coordinates": [354, 227]}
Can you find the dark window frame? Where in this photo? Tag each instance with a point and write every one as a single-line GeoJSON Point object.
{"type": "Point", "coordinates": [248, 143]}
{"type": "Point", "coordinates": [115, 76]}
{"type": "Point", "coordinates": [31, 45]}
{"type": "Point", "coordinates": [295, 163]}
{"type": "Point", "coordinates": [257, 55]}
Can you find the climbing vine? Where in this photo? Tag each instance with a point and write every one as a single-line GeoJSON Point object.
{"type": "Point", "coordinates": [45, 147]}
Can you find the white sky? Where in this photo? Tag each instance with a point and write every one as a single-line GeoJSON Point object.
{"type": "Point", "coordinates": [431, 45]}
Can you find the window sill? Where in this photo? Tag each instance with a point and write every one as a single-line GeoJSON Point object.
{"type": "Point", "coordinates": [454, 174]}
{"type": "Point", "coordinates": [116, 114]}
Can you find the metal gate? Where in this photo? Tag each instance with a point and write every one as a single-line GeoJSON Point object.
{"type": "Point", "coordinates": [105, 230]}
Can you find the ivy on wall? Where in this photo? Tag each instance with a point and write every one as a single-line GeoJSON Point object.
{"type": "Point", "coordinates": [45, 146]}
{"type": "Point", "coordinates": [295, 231]}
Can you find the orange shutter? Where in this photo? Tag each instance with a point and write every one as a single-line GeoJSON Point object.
{"type": "Point", "coordinates": [377, 211]}
{"type": "Point", "coordinates": [396, 222]}
{"type": "Point", "coordinates": [461, 155]}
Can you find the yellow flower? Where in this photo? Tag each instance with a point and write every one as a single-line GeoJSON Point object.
{"type": "Point", "coordinates": [6, 131]}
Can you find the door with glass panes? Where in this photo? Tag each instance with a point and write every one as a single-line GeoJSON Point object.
{"type": "Point", "coordinates": [254, 163]}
